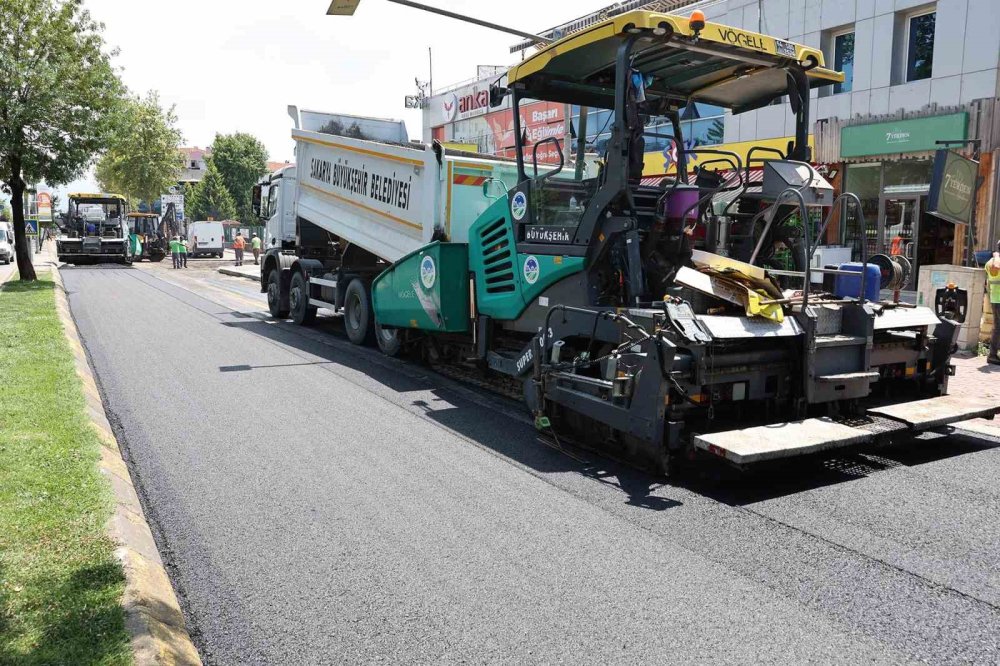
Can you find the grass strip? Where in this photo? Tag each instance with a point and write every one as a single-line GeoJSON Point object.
{"type": "Point", "coordinates": [60, 584]}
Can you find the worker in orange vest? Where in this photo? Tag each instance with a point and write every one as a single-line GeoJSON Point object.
{"type": "Point", "coordinates": [896, 248]}
{"type": "Point", "coordinates": [239, 244]}
{"type": "Point", "coordinates": [993, 283]}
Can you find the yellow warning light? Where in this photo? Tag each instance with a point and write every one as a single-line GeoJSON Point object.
{"type": "Point", "coordinates": [697, 21]}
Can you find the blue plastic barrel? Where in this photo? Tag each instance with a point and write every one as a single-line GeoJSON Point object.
{"type": "Point", "coordinates": [849, 286]}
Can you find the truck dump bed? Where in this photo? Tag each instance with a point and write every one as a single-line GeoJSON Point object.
{"type": "Point", "coordinates": [389, 198]}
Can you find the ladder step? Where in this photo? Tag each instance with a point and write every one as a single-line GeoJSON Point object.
{"type": "Point", "coordinates": [847, 377]}
{"type": "Point", "coordinates": [838, 340]}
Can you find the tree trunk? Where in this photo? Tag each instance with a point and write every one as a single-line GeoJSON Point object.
{"type": "Point", "coordinates": [21, 249]}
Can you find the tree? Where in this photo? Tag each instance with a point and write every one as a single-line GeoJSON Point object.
{"type": "Point", "coordinates": [716, 132]}
{"type": "Point", "coordinates": [241, 160]}
{"type": "Point", "coordinates": [57, 92]}
{"type": "Point", "coordinates": [142, 159]}
{"type": "Point", "coordinates": [210, 198]}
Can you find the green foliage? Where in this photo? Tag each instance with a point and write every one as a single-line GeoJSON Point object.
{"type": "Point", "coordinates": [57, 93]}
{"type": "Point", "coordinates": [241, 160]}
{"type": "Point", "coordinates": [337, 128]}
{"type": "Point", "coordinates": [142, 159]}
{"type": "Point", "coordinates": [716, 133]}
{"type": "Point", "coordinates": [210, 198]}
{"type": "Point", "coordinates": [60, 584]}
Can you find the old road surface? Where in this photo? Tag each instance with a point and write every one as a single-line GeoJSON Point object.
{"type": "Point", "coordinates": [318, 503]}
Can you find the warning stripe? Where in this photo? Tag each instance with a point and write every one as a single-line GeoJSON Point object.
{"type": "Point", "coordinates": [460, 179]}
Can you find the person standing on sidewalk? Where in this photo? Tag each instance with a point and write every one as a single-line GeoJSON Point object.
{"type": "Point", "coordinates": [184, 253]}
{"type": "Point", "coordinates": [993, 282]}
{"type": "Point", "coordinates": [175, 251]}
{"type": "Point", "coordinates": [239, 244]}
{"type": "Point", "coordinates": [255, 246]}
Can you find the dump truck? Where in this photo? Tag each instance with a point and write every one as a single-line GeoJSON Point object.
{"type": "Point", "coordinates": [96, 230]}
{"type": "Point", "coordinates": [646, 320]}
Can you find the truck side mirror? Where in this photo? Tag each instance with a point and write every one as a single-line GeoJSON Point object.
{"type": "Point", "coordinates": [497, 93]}
{"type": "Point", "coordinates": [255, 200]}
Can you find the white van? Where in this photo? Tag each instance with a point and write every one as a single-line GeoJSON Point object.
{"type": "Point", "coordinates": [205, 239]}
{"type": "Point", "coordinates": [6, 243]}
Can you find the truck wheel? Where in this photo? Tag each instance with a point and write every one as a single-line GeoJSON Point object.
{"type": "Point", "coordinates": [274, 295]}
{"type": "Point", "coordinates": [389, 340]}
{"type": "Point", "coordinates": [359, 320]}
{"type": "Point", "coordinates": [303, 314]}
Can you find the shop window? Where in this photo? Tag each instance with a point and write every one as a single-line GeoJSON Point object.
{"type": "Point", "coordinates": [843, 60]}
{"type": "Point", "coordinates": [920, 46]}
{"type": "Point", "coordinates": [864, 180]}
{"type": "Point", "coordinates": [908, 176]}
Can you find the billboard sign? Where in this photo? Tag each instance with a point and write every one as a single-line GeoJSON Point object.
{"type": "Point", "coordinates": [913, 135]}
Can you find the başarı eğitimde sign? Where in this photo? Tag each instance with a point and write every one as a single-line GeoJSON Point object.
{"type": "Point", "coordinates": [953, 187]}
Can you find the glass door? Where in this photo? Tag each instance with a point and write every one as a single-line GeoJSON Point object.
{"type": "Point", "coordinates": [899, 229]}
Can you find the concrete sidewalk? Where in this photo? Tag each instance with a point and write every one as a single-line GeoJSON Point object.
{"type": "Point", "coordinates": [248, 270]}
{"type": "Point", "coordinates": [975, 378]}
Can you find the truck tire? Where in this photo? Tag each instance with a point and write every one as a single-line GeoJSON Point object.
{"type": "Point", "coordinates": [359, 319]}
{"type": "Point", "coordinates": [274, 295]}
{"type": "Point", "coordinates": [389, 340]}
{"type": "Point", "coordinates": [303, 314]}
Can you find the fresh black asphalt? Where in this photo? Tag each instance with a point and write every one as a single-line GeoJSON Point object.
{"type": "Point", "coordinates": [316, 502]}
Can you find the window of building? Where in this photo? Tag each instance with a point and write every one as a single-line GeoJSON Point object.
{"type": "Point", "coordinates": [843, 60]}
{"type": "Point", "coordinates": [920, 46]}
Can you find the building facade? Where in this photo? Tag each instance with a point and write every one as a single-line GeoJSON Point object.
{"type": "Point", "coordinates": [195, 164]}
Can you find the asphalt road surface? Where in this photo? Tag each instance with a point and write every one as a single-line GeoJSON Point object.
{"type": "Point", "coordinates": [319, 503]}
{"type": "Point", "coordinates": [7, 271]}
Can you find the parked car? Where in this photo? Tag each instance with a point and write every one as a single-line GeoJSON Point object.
{"type": "Point", "coordinates": [205, 239]}
{"type": "Point", "coordinates": [6, 243]}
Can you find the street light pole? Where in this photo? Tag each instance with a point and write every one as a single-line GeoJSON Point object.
{"type": "Point", "coordinates": [347, 8]}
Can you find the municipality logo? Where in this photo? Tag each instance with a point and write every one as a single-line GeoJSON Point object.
{"type": "Point", "coordinates": [531, 270]}
{"type": "Point", "coordinates": [428, 272]}
{"type": "Point", "coordinates": [519, 206]}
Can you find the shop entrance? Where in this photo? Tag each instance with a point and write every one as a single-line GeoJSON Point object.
{"type": "Point", "coordinates": [906, 229]}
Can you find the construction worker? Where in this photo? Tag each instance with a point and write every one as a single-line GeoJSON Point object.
{"type": "Point", "coordinates": [239, 244]}
{"type": "Point", "coordinates": [175, 251]}
{"type": "Point", "coordinates": [184, 253]}
{"type": "Point", "coordinates": [993, 283]}
{"type": "Point", "coordinates": [255, 246]}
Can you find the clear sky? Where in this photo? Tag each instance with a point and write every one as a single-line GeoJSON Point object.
{"type": "Point", "coordinates": [233, 65]}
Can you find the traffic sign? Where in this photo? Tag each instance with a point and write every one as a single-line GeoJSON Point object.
{"type": "Point", "coordinates": [31, 227]}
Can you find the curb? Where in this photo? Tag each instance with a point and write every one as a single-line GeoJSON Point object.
{"type": "Point", "coordinates": [236, 273]}
{"type": "Point", "coordinates": [153, 615]}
